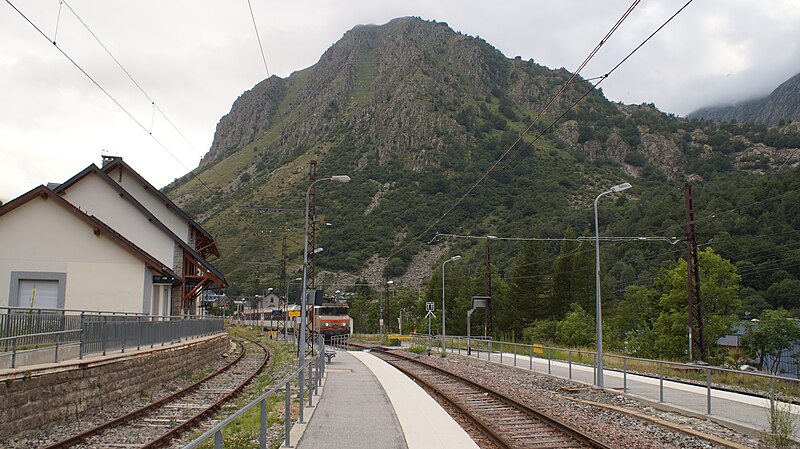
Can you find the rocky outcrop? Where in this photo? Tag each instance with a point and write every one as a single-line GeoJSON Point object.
{"type": "Point", "coordinates": [663, 153]}
{"type": "Point", "coordinates": [249, 117]}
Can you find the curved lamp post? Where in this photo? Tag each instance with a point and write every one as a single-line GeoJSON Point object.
{"type": "Point", "coordinates": [617, 188]}
{"type": "Point", "coordinates": [302, 342]}
{"type": "Point", "coordinates": [443, 310]}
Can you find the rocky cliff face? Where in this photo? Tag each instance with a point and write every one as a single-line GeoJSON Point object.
{"type": "Point", "coordinates": [783, 104]}
{"type": "Point", "coordinates": [248, 119]}
{"type": "Point", "coordinates": [398, 88]}
{"type": "Point", "coordinates": [416, 112]}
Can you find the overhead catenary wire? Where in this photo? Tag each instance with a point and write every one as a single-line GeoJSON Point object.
{"type": "Point", "coordinates": [58, 20]}
{"type": "Point", "coordinates": [130, 77]}
{"type": "Point", "coordinates": [108, 94]}
{"type": "Point", "coordinates": [672, 240]}
{"type": "Point", "coordinates": [260, 46]}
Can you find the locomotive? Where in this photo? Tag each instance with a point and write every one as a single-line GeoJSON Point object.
{"type": "Point", "coordinates": [331, 319]}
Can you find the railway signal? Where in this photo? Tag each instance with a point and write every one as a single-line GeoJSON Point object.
{"type": "Point", "coordinates": [429, 308]}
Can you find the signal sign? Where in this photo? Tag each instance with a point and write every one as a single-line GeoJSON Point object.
{"type": "Point", "coordinates": [429, 307]}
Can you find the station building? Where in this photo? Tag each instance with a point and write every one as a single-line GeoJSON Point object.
{"type": "Point", "coordinates": [107, 240]}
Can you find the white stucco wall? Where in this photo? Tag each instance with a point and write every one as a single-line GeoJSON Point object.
{"type": "Point", "coordinates": [95, 197]}
{"type": "Point", "coordinates": [42, 236]}
{"type": "Point", "coordinates": [173, 220]}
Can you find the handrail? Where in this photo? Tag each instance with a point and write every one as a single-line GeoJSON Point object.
{"type": "Point", "coordinates": [95, 334]}
{"type": "Point", "coordinates": [43, 334]}
{"type": "Point", "coordinates": [108, 312]}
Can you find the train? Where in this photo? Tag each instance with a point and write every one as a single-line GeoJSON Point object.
{"type": "Point", "coordinates": [330, 319]}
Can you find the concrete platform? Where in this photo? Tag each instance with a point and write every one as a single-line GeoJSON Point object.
{"type": "Point", "coordinates": [367, 403]}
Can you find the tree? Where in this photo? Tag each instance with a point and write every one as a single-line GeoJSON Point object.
{"type": "Point", "coordinates": [784, 294]}
{"type": "Point", "coordinates": [770, 338]}
{"type": "Point", "coordinates": [528, 287]}
{"type": "Point", "coordinates": [583, 280]}
{"type": "Point", "coordinates": [719, 287]}
{"type": "Point", "coordinates": [753, 304]}
{"type": "Point", "coordinates": [653, 321]}
{"type": "Point", "coordinates": [563, 277]}
{"type": "Point", "coordinates": [541, 331]}
{"type": "Point", "coordinates": [577, 329]}
{"type": "Point", "coordinates": [630, 324]}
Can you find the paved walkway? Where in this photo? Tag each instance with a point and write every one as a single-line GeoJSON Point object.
{"type": "Point", "coordinates": [367, 403]}
{"type": "Point", "coordinates": [353, 412]}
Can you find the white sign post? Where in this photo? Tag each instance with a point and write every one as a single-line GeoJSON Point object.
{"type": "Point", "coordinates": [429, 308]}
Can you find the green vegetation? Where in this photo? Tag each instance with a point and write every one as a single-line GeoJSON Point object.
{"type": "Point", "coordinates": [416, 131]}
{"type": "Point", "coordinates": [782, 427]}
{"type": "Point", "coordinates": [775, 334]}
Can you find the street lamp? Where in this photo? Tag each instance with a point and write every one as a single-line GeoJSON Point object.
{"type": "Point", "coordinates": [616, 189]}
{"type": "Point", "coordinates": [302, 343]}
{"type": "Point", "coordinates": [443, 309]}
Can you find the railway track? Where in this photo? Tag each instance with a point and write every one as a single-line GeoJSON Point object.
{"type": "Point", "coordinates": [508, 423]}
{"type": "Point", "coordinates": [155, 424]}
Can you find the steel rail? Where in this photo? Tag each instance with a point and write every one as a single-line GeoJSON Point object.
{"type": "Point", "coordinates": [191, 422]}
{"type": "Point", "coordinates": [81, 437]}
{"type": "Point", "coordinates": [487, 427]}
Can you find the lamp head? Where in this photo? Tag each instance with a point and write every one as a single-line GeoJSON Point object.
{"type": "Point", "coordinates": [621, 187]}
{"type": "Point", "coordinates": [455, 258]}
{"type": "Point", "coordinates": [340, 178]}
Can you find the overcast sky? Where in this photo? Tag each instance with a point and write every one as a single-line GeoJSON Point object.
{"type": "Point", "coordinates": [194, 58]}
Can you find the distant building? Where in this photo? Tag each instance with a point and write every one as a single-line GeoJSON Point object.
{"type": "Point", "coordinates": [266, 303]}
{"type": "Point", "coordinates": [787, 366]}
{"type": "Point", "coordinates": [144, 255]}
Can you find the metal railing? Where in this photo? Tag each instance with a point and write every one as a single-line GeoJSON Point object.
{"type": "Point", "coordinates": [40, 324]}
{"type": "Point", "coordinates": [341, 342]}
{"type": "Point", "coordinates": [36, 333]}
{"type": "Point", "coordinates": [316, 371]}
{"type": "Point", "coordinates": [581, 366]}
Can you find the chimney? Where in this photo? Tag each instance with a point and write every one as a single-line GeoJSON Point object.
{"type": "Point", "coordinates": [109, 159]}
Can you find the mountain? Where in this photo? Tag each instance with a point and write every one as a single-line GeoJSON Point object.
{"type": "Point", "coordinates": [417, 114]}
{"type": "Point", "coordinates": [781, 106]}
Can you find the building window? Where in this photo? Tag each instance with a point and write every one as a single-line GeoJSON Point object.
{"type": "Point", "coordinates": [37, 290]}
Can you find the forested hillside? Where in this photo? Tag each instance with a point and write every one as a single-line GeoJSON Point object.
{"type": "Point", "coordinates": [417, 114]}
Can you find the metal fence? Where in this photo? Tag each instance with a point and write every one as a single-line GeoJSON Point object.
{"type": "Point", "coordinates": [314, 367]}
{"type": "Point", "coordinates": [581, 366]}
{"type": "Point", "coordinates": [48, 335]}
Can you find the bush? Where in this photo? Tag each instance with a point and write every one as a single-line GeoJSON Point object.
{"type": "Point", "coordinates": [540, 331]}
{"type": "Point", "coordinates": [635, 158]}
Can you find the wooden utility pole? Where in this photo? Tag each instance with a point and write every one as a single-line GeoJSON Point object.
{"type": "Point", "coordinates": [697, 351]}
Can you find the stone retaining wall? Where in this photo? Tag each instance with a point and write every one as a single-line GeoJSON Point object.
{"type": "Point", "coordinates": [35, 400]}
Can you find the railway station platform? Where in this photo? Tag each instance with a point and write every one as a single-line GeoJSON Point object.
{"type": "Point", "coordinates": [366, 403]}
